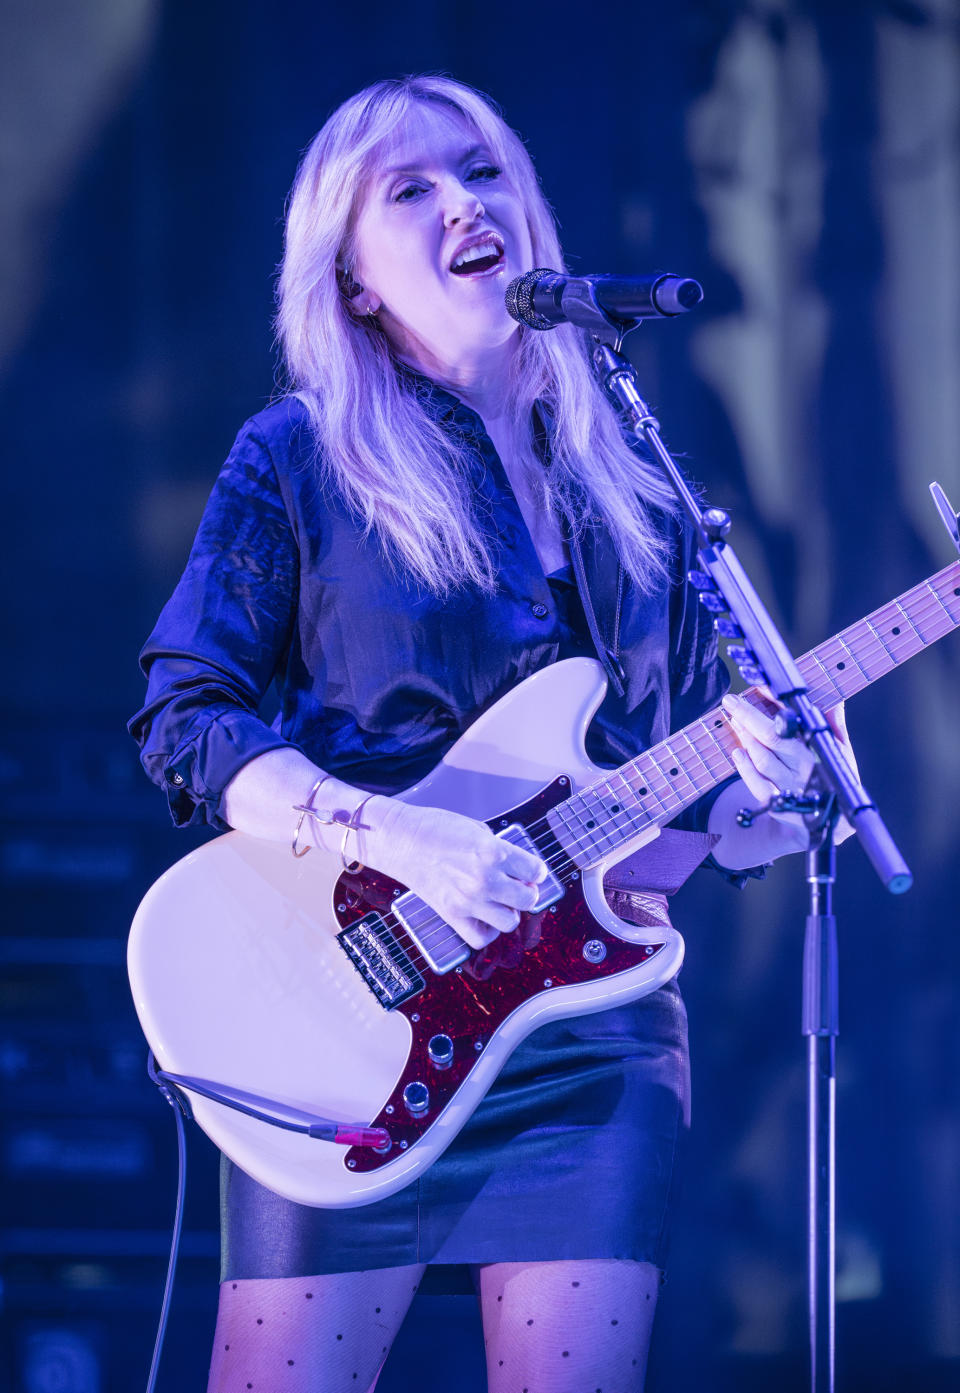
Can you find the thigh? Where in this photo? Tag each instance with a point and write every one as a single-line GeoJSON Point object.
{"type": "Point", "coordinates": [326, 1334]}
{"type": "Point", "coordinates": [568, 1327]}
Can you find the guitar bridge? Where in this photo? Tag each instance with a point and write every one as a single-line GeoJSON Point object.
{"type": "Point", "coordinates": [381, 961]}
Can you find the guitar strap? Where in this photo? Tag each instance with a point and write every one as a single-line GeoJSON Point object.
{"type": "Point", "coordinates": [664, 864]}
{"type": "Point", "coordinates": [609, 656]}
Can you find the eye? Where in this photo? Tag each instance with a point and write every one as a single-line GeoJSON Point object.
{"type": "Point", "coordinates": [485, 172]}
{"type": "Point", "coordinates": [407, 193]}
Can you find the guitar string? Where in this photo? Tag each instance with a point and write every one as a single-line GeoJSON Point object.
{"type": "Point", "coordinates": [850, 642]}
{"type": "Point", "coordinates": [853, 641]}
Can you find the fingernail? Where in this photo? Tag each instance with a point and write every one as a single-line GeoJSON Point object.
{"type": "Point", "coordinates": [729, 702]}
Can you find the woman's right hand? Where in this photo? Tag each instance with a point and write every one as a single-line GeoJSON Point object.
{"type": "Point", "coordinates": [477, 882]}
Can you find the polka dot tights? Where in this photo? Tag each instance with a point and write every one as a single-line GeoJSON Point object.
{"type": "Point", "coordinates": [549, 1327]}
{"type": "Point", "coordinates": [567, 1327]}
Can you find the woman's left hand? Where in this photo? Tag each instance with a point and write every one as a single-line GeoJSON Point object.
{"type": "Point", "coordinates": [769, 763]}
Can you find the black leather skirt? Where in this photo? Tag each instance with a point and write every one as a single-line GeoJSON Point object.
{"type": "Point", "coordinates": [572, 1154]}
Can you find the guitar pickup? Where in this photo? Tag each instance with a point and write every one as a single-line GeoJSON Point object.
{"type": "Point", "coordinates": [440, 944]}
{"type": "Point", "coordinates": [549, 890]}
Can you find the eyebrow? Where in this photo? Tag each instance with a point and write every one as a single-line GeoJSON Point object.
{"type": "Point", "coordinates": [473, 151]}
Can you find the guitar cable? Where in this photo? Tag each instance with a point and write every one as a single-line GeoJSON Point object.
{"type": "Point", "coordinates": [276, 1114]}
{"type": "Point", "coordinates": [181, 1110]}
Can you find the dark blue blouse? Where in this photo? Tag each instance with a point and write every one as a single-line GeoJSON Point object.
{"type": "Point", "coordinates": [377, 678]}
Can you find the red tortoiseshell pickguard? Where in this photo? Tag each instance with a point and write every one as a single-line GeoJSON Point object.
{"type": "Point", "coordinates": [471, 1002]}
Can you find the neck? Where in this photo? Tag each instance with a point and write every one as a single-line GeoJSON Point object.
{"type": "Point", "coordinates": [480, 377]}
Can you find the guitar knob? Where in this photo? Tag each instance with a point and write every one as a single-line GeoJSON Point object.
{"type": "Point", "coordinates": [416, 1098]}
{"type": "Point", "coordinates": [440, 1051]}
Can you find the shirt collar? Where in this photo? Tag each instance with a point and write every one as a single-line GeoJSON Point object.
{"type": "Point", "coordinates": [444, 406]}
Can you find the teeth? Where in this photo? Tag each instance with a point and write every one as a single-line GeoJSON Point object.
{"type": "Point", "coordinates": [475, 253]}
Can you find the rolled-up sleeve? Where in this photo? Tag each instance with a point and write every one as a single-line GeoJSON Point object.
{"type": "Point", "coordinates": [220, 640]}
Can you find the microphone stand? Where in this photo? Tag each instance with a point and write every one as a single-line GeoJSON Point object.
{"type": "Point", "coordinates": [763, 657]}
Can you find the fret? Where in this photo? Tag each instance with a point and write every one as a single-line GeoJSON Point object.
{"type": "Point", "coordinates": [915, 627]}
{"type": "Point", "coordinates": [852, 656]}
{"type": "Point", "coordinates": [939, 598]}
{"type": "Point", "coordinates": [647, 784]}
{"type": "Point", "coordinates": [675, 768]}
{"type": "Point", "coordinates": [631, 795]}
{"type": "Point", "coordinates": [594, 836]}
{"type": "Point", "coordinates": [563, 822]}
{"type": "Point", "coordinates": [718, 739]}
{"type": "Point", "coordinates": [635, 791]}
{"type": "Point", "coordinates": [620, 815]}
{"type": "Point", "coordinates": [879, 637]}
{"type": "Point", "coordinates": [709, 772]}
{"type": "Point", "coordinates": [814, 656]}
{"type": "Point", "coordinates": [654, 778]}
{"type": "Point", "coordinates": [954, 590]}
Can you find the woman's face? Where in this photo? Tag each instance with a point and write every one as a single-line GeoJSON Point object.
{"type": "Point", "coordinates": [440, 233]}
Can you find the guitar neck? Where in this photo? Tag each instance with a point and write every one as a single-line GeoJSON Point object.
{"type": "Point", "coordinates": [660, 783]}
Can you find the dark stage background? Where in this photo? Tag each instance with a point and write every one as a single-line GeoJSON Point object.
{"type": "Point", "coordinates": [801, 160]}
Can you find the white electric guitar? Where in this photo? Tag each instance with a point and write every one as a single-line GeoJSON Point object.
{"type": "Point", "coordinates": [341, 1004]}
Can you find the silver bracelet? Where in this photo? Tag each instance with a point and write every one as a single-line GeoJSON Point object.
{"type": "Point", "coordinates": [308, 810]}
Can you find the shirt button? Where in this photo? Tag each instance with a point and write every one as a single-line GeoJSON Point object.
{"type": "Point", "coordinates": [539, 610]}
{"type": "Point", "coordinates": [176, 778]}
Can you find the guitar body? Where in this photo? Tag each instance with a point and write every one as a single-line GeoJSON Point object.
{"type": "Point", "coordinates": [239, 976]}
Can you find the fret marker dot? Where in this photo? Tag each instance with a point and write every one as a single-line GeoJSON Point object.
{"type": "Point", "coordinates": [642, 792]}
{"type": "Point", "coordinates": [591, 823]}
{"type": "Point", "coordinates": [841, 666]}
{"type": "Point", "coordinates": [615, 808]}
{"type": "Point", "coordinates": [956, 590]}
{"type": "Point", "coordinates": [896, 630]}
{"type": "Point", "coordinates": [674, 771]}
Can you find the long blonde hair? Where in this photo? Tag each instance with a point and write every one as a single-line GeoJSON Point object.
{"type": "Point", "coordinates": [393, 464]}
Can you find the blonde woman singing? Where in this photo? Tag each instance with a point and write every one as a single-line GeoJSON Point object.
{"type": "Point", "coordinates": [391, 544]}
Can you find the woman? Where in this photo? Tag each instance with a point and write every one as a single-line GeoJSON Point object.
{"type": "Point", "coordinates": [391, 543]}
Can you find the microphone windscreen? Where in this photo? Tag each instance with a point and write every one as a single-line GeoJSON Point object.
{"type": "Point", "coordinates": [518, 298]}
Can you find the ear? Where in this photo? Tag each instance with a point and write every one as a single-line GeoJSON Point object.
{"type": "Point", "coordinates": [349, 288]}
{"type": "Point", "coordinates": [359, 302]}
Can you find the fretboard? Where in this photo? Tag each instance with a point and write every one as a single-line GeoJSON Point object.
{"type": "Point", "coordinates": [660, 783]}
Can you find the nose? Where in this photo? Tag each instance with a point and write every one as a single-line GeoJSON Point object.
{"type": "Point", "coordinates": [461, 204]}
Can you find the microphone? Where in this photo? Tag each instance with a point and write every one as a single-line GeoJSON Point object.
{"type": "Point", "coordinates": [542, 299]}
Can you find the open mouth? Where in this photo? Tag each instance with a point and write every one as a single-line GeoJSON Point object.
{"type": "Point", "coordinates": [476, 259]}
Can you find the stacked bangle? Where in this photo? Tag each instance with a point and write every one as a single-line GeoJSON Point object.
{"type": "Point", "coordinates": [337, 817]}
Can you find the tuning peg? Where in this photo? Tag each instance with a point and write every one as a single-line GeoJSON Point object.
{"type": "Point", "coordinates": [746, 660]}
{"type": "Point", "coordinates": [712, 601]}
{"type": "Point", "coordinates": [700, 580]}
{"type": "Point", "coordinates": [728, 628]}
